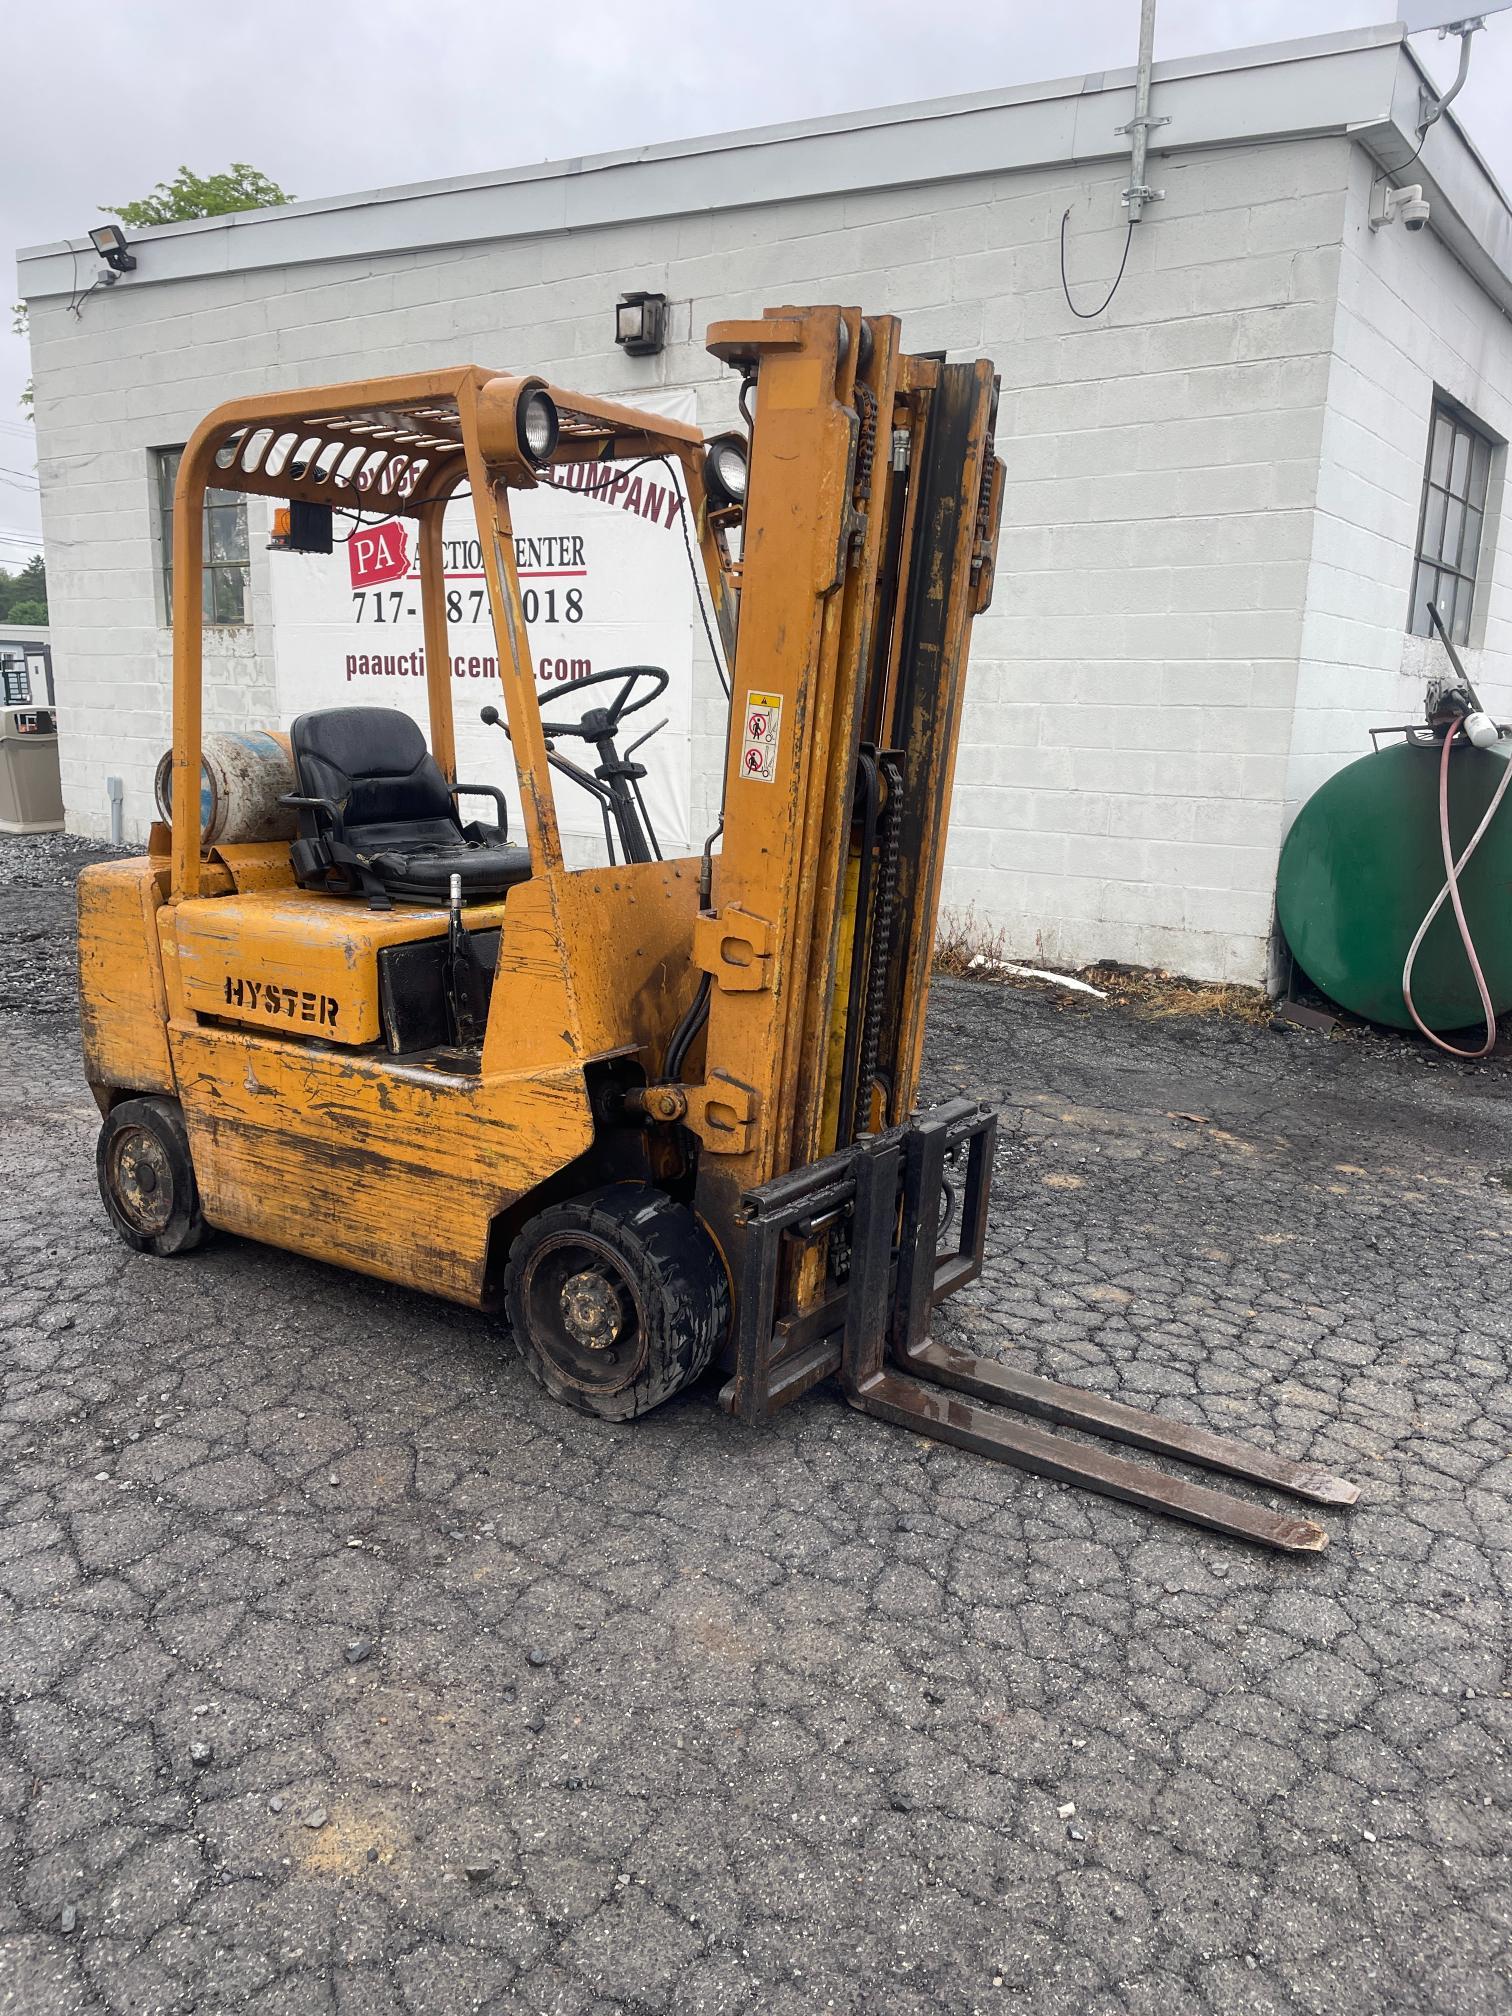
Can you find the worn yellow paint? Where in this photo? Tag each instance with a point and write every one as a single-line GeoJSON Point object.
{"type": "Point", "coordinates": [211, 976]}
{"type": "Point", "coordinates": [382, 1167]}
{"type": "Point", "coordinates": [276, 958]}
{"type": "Point", "coordinates": [123, 1005]}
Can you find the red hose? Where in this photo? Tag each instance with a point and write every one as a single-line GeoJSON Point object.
{"type": "Point", "coordinates": [1451, 889]}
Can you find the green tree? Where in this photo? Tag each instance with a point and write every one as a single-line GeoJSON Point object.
{"type": "Point", "coordinates": [22, 327]}
{"type": "Point", "coordinates": [24, 592]}
{"type": "Point", "coordinates": [239, 187]}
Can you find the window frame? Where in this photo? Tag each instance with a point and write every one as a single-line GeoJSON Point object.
{"type": "Point", "coordinates": [1442, 501]}
{"type": "Point", "coordinates": [223, 508]}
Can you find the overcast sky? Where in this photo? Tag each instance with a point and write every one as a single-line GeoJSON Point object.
{"type": "Point", "coordinates": [103, 101]}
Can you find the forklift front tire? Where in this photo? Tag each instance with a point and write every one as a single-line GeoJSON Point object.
{"type": "Point", "coordinates": [617, 1299]}
{"type": "Point", "coordinates": [147, 1177]}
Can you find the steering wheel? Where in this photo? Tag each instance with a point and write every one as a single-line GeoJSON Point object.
{"type": "Point", "coordinates": [606, 720]}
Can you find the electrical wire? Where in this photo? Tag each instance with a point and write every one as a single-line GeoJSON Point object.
{"type": "Point", "coordinates": [1452, 871]}
{"type": "Point", "coordinates": [77, 300]}
{"type": "Point", "coordinates": [1089, 314]}
{"type": "Point", "coordinates": [358, 521]}
{"type": "Point", "coordinates": [721, 670]}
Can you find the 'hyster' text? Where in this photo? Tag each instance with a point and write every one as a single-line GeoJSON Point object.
{"type": "Point", "coordinates": [295, 1004]}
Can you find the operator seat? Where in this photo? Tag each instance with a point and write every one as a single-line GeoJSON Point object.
{"type": "Point", "coordinates": [376, 816]}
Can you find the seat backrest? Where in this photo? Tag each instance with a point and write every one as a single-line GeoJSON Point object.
{"type": "Point", "coordinates": [372, 761]}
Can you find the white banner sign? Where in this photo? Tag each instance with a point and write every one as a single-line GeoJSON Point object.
{"type": "Point", "coordinates": [605, 581]}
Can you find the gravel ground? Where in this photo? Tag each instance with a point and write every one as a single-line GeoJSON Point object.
{"type": "Point", "coordinates": [341, 1671]}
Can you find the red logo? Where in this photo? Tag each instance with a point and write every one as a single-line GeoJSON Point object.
{"type": "Point", "coordinates": [378, 553]}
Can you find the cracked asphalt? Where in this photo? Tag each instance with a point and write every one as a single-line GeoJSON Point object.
{"type": "Point", "coordinates": [340, 1671]}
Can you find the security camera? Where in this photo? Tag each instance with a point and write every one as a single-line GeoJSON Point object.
{"type": "Point", "coordinates": [1409, 204]}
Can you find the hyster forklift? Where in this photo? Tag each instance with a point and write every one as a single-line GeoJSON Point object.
{"type": "Point", "coordinates": [658, 1113]}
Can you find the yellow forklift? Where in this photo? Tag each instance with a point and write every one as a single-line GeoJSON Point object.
{"type": "Point", "coordinates": [657, 1113]}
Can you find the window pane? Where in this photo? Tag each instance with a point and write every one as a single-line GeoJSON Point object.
{"type": "Point", "coordinates": [1470, 544]}
{"type": "Point", "coordinates": [1459, 629]}
{"type": "Point", "coordinates": [226, 533]}
{"type": "Point", "coordinates": [1459, 463]}
{"type": "Point", "coordinates": [229, 590]}
{"type": "Point", "coordinates": [1438, 460]}
{"type": "Point", "coordinates": [1433, 523]}
{"type": "Point", "coordinates": [1422, 593]}
{"type": "Point", "coordinates": [167, 469]}
{"type": "Point", "coordinates": [1454, 520]}
{"type": "Point", "coordinates": [1480, 469]}
{"type": "Point", "coordinates": [1447, 589]}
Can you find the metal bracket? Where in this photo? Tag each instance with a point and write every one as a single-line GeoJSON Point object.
{"type": "Point", "coordinates": [735, 947]}
{"type": "Point", "coordinates": [1144, 193]}
{"type": "Point", "coordinates": [1149, 120]}
{"type": "Point", "coordinates": [722, 1112]}
{"type": "Point", "coordinates": [1431, 104]}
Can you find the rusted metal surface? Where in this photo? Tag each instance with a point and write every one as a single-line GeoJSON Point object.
{"type": "Point", "coordinates": [243, 779]}
{"type": "Point", "coordinates": [909, 1403]}
{"type": "Point", "coordinates": [886, 1190]}
{"type": "Point", "coordinates": [983, 1379]}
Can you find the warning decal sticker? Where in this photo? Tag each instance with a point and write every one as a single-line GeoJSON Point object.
{"type": "Point", "coordinates": [763, 731]}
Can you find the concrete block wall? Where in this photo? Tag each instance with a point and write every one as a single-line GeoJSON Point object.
{"type": "Point", "coordinates": [1410, 322]}
{"type": "Point", "coordinates": [1119, 794]}
{"type": "Point", "coordinates": [1122, 774]}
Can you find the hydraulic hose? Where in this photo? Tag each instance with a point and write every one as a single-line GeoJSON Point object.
{"type": "Point", "coordinates": [1452, 872]}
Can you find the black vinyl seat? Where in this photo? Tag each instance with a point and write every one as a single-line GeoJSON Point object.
{"type": "Point", "coordinates": [377, 817]}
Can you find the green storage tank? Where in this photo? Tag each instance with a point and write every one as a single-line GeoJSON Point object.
{"type": "Point", "coordinates": [1363, 862]}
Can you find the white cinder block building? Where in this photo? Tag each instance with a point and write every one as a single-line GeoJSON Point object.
{"type": "Point", "coordinates": [1228, 494]}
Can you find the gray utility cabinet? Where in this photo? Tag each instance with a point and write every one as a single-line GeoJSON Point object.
{"type": "Point", "coordinates": [31, 792]}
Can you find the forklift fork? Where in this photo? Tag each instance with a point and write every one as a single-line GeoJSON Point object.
{"type": "Point", "coordinates": [888, 1189]}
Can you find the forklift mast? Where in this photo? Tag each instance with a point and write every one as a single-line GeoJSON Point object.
{"type": "Point", "coordinates": [855, 617]}
{"type": "Point", "coordinates": [869, 535]}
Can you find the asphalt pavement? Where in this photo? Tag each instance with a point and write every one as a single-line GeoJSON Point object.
{"type": "Point", "coordinates": [341, 1671]}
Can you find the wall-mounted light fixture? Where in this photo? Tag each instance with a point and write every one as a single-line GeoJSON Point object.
{"type": "Point", "coordinates": [640, 324]}
{"type": "Point", "coordinates": [109, 240]}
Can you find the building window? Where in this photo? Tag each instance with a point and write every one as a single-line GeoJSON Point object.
{"type": "Point", "coordinates": [228, 588]}
{"type": "Point", "coordinates": [1449, 530]}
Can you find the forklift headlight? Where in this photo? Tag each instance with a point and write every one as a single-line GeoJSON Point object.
{"type": "Point", "coordinates": [537, 426]}
{"type": "Point", "coordinates": [725, 471]}
{"type": "Point", "coordinates": [518, 427]}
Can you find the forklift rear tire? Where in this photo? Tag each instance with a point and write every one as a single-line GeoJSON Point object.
{"type": "Point", "coordinates": [147, 1177]}
{"type": "Point", "coordinates": [617, 1299]}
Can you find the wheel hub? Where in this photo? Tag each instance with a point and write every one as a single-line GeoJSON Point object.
{"type": "Point", "coordinates": [592, 1311]}
{"type": "Point", "coordinates": [143, 1180]}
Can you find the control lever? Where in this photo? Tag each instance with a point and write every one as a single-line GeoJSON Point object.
{"type": "Point", "coordinates": [466, 1007]}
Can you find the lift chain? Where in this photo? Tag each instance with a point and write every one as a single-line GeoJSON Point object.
{"type": "Point", "coordinates": [866, 447]}
{"type": "Point", "coordinates": [882, 927]}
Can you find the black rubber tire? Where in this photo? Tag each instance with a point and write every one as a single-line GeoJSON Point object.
{"type": "Point", "coordinates": [668, 1269]}
{"type": "Point", "coordinates": [145, 1139]}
